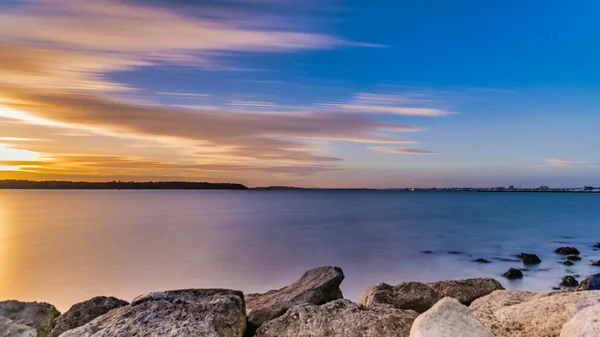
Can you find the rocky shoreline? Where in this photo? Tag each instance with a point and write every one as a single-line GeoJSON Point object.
{"type": "Point", "coordinates": [314, 306]}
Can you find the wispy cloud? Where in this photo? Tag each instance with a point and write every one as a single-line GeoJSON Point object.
{"type": "Point", "coordinates": [401, 150]}
{"type": "Point", "coordinates": [183, 94]}
{"type": "Point", "coordinates": [390, 105]}
{"type": "Point", "coordinates": [552, 164]}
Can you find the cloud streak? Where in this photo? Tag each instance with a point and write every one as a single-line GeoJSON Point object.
{"type": "Point", "coordinates": [401, 150]}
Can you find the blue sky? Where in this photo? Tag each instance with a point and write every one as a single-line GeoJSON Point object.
{"type": "Point", "coordinates": [312, 93]}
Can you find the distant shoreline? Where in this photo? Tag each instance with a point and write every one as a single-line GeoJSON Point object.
{"type": "Point", "coordinates": [116, 185]}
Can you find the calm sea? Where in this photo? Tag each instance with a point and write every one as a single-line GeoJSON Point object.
{"type": "Point", "coordinates": [63, 247]}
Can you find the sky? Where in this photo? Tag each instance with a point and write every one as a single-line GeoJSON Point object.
{"type": "Point", "coordinates": [312, 93]}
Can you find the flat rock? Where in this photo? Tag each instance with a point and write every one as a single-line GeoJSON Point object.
{"type": "Point", "coordinates": [590, 283]}
{"type": "Point", "coordinates": [10, 328]}
{"type": "Point", "coordinates": [177, 313]}
{"type": "Point", "coordinates": [341, 318]}
{"type": "Point", "coordinates": [84, 312]}
{"type": "Point", "coordinates": [567, 251]}
{"type": "Point", "coordinates": [466, 291]}
{"type": "Point", "coordinates": [405, 296]}
{"type": "Point", "coordinates": [39, 316]}
{"type": "Point", "coordinates": [448, 318]}
{"type": "Point", "coordinates": [513, 274]}
{"type": "Point", "coordinates": [317, 286]}
{"type": "Point", "coordinates": [529, 258]}
{"type": "Point", "coordinates": [480, 260]}
{"type": "Point", "coordinates": [584, 324]}
{"type": "Point", "coordinates": [573, 257]}
{"type": "Point", "coordinates": [568, 263]}
{"type": "Point", "coordinates": [512, 313]}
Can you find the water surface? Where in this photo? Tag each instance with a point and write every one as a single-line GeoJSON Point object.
{"type": "Point", "coordinates": [63, 247]}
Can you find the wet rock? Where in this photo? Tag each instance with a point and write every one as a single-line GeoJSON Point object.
{"type": "Point", "coordinates": [513, 274]}
{"type": "Point", "coordinates": [568, 263]}
{"type": "Point", "coordinates": [529, 258]}
{"type": "Point", "coordinates": [481, 261]}
{"type": "Point", "coordinates": [597, 245]}
{"type": "Point", "coordinates": [595, 263]}
{"type": "Point", "coordinates": [426, 252]}
{"type": "Point", "coordinates": [511, 313]}
{"type": "Point", "coordinates": [317, 286]}
{"type": "Point", "coordinates": [567, 251]}
{"type": "Point", "coordinates": [177, 313]}
{"type": "Point", "coordinates": [569, 281]}
{"type": "Point", "coordinates": [455, 253]}
{"type": "Point", "coordinates": [573, 257]}
{"type": "Point", "coordinates": [590, 283]}
{"type": "Point", "coordinates": [84, 312]}
{"type": "Point", "coordinates": [466, 291]}
{"type": "Point", "coordinates": [406, 296]}
{"type": "Point", "coordinates": [340, 318]}
{"type": "Point", "coordinates": [10, 328]}
{"type": "Point", "coordinates": [39, 316]}
{"type": "Point", "coordinates": [584, 324]}
{"type": "Point", "coordinates": [448, 318]}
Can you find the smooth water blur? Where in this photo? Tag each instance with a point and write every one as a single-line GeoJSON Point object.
{"type": "Point", "coordinates": [63, 247]}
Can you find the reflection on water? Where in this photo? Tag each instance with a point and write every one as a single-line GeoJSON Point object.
{"type": "Point", "coordinates": [66, 246]}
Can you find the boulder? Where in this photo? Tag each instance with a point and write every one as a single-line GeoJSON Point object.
{"type": "Point", "coordinates": [513, 274]}
{"type": "Point", "coordinates": [316, 286]}
{"type": "Point", "coordinates": [590, 283]}
{"type": "Point", "coordinates": [406, 296]}
{"type": "Point", "coordinates": [177, 313]}
{"type": "Point", "coordinates": [466, 291]}
{"type": "Point", "coordinates": [448, 318]}
{"type": "Point", "coordinates": [568, 263]}
{"type": "Point", "coordinates": [39, 316]}
{"type": "Point", "coordinates": [341, 318]}
{"type": "Point", "coordinates": [10, 328]}
{"type": "Point", "coordinates": [584, 324]}
{"type": "Point", "coordinates": [84, 312]}
{"type": "Point", "coordinates": [569, 281]}
{"type": "Point", "coordinates": [573, 257]}
{"type": "Point", "coordinates": [529, 258]}
{"type": "Point", "coordinates": [512, 313]}
{"type": "Point", "coordinates": [567, 251]}
{"type": "Point", "coordinates": [595, 263]}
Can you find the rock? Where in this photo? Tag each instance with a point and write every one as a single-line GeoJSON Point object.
{"type": "Point", "coordinates": [573, 257]}
{"type": "Point", "coordinates": [529, 258]}
{"type": "Point", "coordinates": [455, 253]}
{"type": "Point", "coordinates": [481, 261]}
{"type": "Point", "coordinates": [511, 313]}
{"type": "Point", "coordinates": [567, 251]}
{"type": "Point", "coordinates": [584, 324]}
{"type": "Point", "coordinates": [448, 318]}
{"type": "Point", "coordinates": [426, 252]}
{"type": "Point", "coordinates": [590, 283]}
{"type": "Point", "coordinates": [39, 316]}
{"type": "Point", "coordinates": [406, 296]}
{"type": "Point", "coordinates": [569, 281]}
{"type": "Point", "coordinates": [10, 328]}
{"type": "Point", "coordinates": [317, 286]}
{"type": "Point", "coordinates": [177, 313]}
{"type": "Point", "coordinates": [466, 291]}
{"type": "Point", "coordinates": [84, 312]}
{"type": "Point", "coordinates": [568, 263]}
{"type": "Point", "coordinates": [595, 263]}
{"type": "Point", "coordinates": [341, 318]}
{"type": "Point", "coordinates": [597, 245]}
{"type": "Point", "coordinates": [513, 274]}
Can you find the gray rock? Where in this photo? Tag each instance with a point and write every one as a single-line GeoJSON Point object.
{"type": "Point", "coordinates": [39, 316]}
{"type": "Point", "coordinates": [569, 281]}
{"type": "Point", "coordinates": [466, 291]}
{"type": "Point", "coordinates": [406, 296]}
{"type": "Point", "coordinates": [317, 286]}
{"type": "Point", "coordinates": [177, 313]}
{"type": "Point", "coordinates": [511, 313]}
{"type": "Point", "coordinates": [529, 258]}
{"type": "Point", "coordinates": [584, 324]}
{"type": "Point", "coordinates": [567, 251]}
{"type": "Point", "coordinates": [590, 283]}
{"type": "Point", "coordinates": [513, 274]}
{"type": "Point", "coordinates": [341, 318]}
{"type": "Point", "coordinates": [448, 318]}
{"type": "Point", "coordinates": [84, 312]}
{"type": "Point", "coordinates": [10, 328]}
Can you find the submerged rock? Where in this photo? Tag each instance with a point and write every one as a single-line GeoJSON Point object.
{"type": "Point", "coordinates": [84, 312]}
{"type": "Point", "coordinates": [590, 283]}
{"type": "Point", "coordinates": [567, 251]}
{"type": "Point", "coordinates": [466, 291]}
{"type": "Point", "coordinates": [317, 286]}
{"type": "Point", "coordinates": [511, 313]}
{"type": "Point", "coordinates": [340, 318]}
{"type": "Point", "coordinates": [481, 261]}
{"type": "Point", "coordinates": [595, 263]}
{"type": "Point", "coordinates": [584, 324]}
{"type": "Point", "coordinates": [10, 328]}
{"type": "Point", "coordinates": [573, 257]}
{"type": "Point", "coordinates": [513, 274]}
{"type": "Point", "coordinates": [568, 263]}
{"type": "Point", "coordinates": [529, 258]}
{"type": "Point", "coordinates": [406, 296]}
{"type": "Point", "coordinates": [39, 316]}
{"type": "Point", "coordinates": [569, 281]}
{"type": "Point", "coordinates": [177, 313]}
{"type": "Point", "coordinates": [448, 318]}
